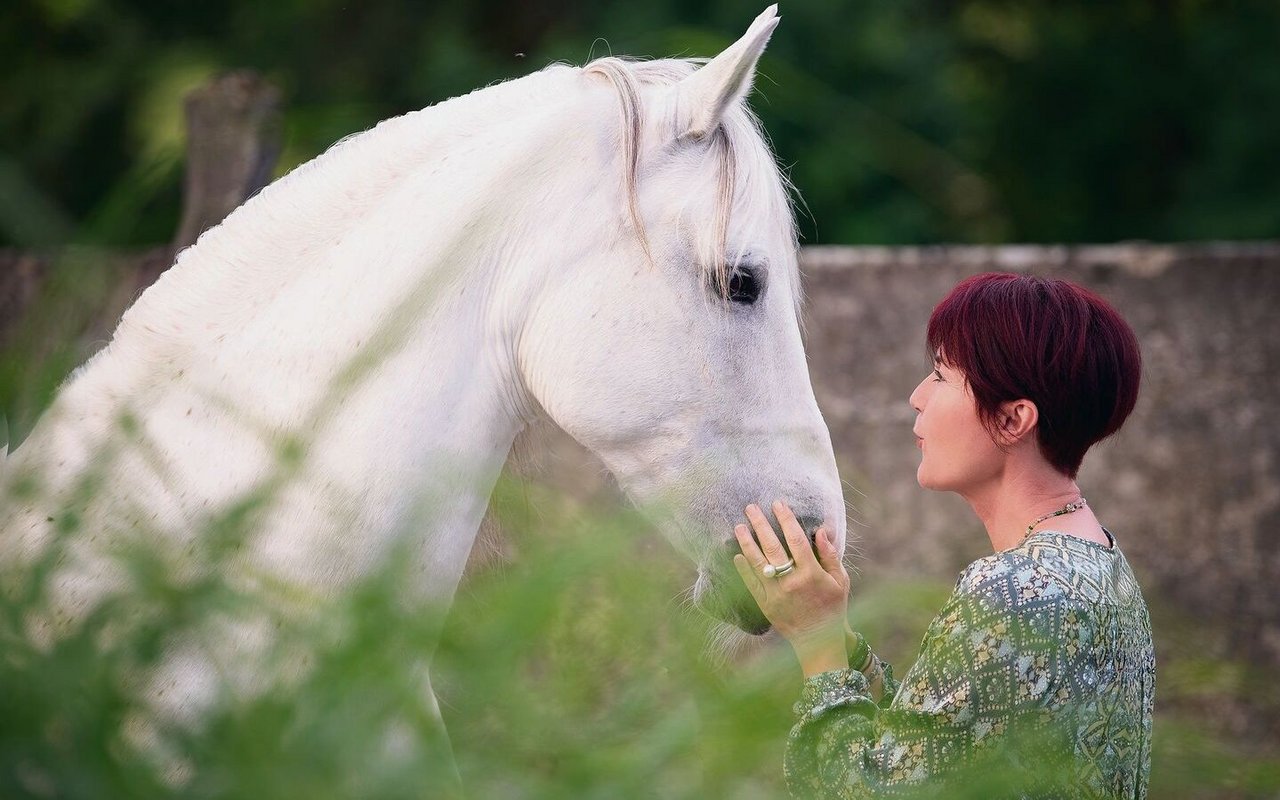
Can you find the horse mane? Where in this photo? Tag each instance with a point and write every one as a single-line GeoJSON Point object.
{"type": "Point", "coordinates": [275, 228]}
{"type": "Point", "coordinates": [737, 139]}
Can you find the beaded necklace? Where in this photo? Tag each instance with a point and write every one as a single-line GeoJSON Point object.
{"type": "Point", "coordinates": [1067, 509]}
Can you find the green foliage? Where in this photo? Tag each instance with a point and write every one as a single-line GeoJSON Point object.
{"type": "Point", "coordinates": [572, 668]}
{"type": "Point", "coordinates": [38, 354]}
{"type": "Point", "coordinates": [901, 122]}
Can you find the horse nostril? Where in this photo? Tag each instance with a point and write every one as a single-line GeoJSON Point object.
{"type": "Point", "coordinates": [808, 523]}
{"type": "Point", "coordinates": [810, 526]}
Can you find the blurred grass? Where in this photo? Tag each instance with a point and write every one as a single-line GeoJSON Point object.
{"type": "Point", "coordinates": [573, 671]}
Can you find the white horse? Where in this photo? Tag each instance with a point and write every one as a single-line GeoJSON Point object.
{"type": "Point", "coordinates": [358, 345]}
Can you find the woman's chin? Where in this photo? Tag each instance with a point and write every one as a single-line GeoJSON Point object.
{"type": "Point", "coordinates": [932, 483]}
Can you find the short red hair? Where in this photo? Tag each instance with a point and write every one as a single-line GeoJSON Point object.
{"type": "Point", "coordinates": [1049, 341]}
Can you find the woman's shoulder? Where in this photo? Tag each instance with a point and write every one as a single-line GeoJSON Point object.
{"type": "Point", "coordinates": [1012, 578]}
{"type": "Point", "coordinates": [1051, 567]}
{"type": "Point", "coordinates": [1008, 594]}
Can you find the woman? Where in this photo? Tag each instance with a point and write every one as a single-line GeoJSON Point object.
{"type": "Point", "coordinates": [1037, 676]}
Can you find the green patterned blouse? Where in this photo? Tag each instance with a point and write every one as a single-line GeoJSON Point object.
{"type": "Point", "coordinates": [1036, 679]}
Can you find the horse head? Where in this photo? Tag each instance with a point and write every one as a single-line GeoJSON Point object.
{"type": "Point", "coordinates": [666, 339]}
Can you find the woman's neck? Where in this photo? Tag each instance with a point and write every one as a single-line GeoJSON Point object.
{"type": "Point", "coordinates": [1017, 498]}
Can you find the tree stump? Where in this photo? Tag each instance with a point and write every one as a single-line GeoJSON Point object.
{"type": "Point", "coordinates": [233, 141]}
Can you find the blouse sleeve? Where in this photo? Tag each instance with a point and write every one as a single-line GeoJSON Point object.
{"type": "Point", "coordinates": [993, 653]}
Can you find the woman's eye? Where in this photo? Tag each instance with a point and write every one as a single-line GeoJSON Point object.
{"type": "Point", "coordinates": [744, 288]}
{"type": "Point", "coordinates": [937, 376]}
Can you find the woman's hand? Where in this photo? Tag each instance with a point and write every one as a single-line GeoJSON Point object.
{"type": "Point", "coordinates": [808, 605]}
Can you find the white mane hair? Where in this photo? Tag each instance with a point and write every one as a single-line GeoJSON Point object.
{"type": "Point", "coordinates": [276, 234]}
{"type": "Point", "coordinates": [736, 140]}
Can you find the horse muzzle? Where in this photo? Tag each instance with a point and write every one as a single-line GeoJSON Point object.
{"type": "Point", "coordinates": [721, 592]}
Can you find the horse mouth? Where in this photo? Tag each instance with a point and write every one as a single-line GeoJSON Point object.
{"type": "Point", "coordinates": [725, 598]}
{"type": "Point", "coordinates": [755, 623]}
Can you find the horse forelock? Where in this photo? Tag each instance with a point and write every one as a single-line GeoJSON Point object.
{"type": "Point", "coordinates": [748, 179]}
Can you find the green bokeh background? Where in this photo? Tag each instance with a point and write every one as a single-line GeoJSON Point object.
{"type": "Point", "coordinates": [902, 121]}
{"type": "Point", "coordinates": [574, 670]}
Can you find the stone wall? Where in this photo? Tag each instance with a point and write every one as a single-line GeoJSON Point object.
{"type": "Point", "coordinates": [1190, 487]}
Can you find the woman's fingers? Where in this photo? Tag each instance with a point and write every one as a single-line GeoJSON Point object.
{"type": "Point", "coordinates": [797, 540]}
{"type": "Point", "coordinates": [828, 556]}
{"type": "Point", "coordinates": [750, 550]}
{"type": "Point", "coordinates": [750, 564]}
{"type": "Point", "coordinates": [751, 577]}
{"type": "Point", "coordinates": [795, 603]}
{"type": "Point", "coordinates": [769, 543]}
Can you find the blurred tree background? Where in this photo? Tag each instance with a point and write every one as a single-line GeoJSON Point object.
{"type": "Point", "coordinates": [910, 121]}
{"type": "Point", "coordinates": [899, 122]}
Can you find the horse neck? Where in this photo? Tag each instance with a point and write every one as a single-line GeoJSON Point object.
{"type": "Point", "coordinates": [361, 321]}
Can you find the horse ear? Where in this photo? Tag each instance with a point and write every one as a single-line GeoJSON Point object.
{"type": "Point", "coordinates": [701, 98]}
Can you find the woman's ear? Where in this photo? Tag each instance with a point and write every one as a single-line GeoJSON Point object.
{"type": "Point", "coordinates": [1017, 420]}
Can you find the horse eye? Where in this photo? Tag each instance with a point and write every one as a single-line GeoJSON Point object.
{"type": "Point", "coordinates": [744, 288]}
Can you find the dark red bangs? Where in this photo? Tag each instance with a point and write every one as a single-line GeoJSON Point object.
{"type": "Point", "coordinates": [1049, 341]}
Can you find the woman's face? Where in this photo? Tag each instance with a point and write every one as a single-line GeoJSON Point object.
{"type": "Point", "coordinates": [957, 453]}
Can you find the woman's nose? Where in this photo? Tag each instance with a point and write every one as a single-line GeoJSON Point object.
{"type": "Point", "coordinates": [916, 400]}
